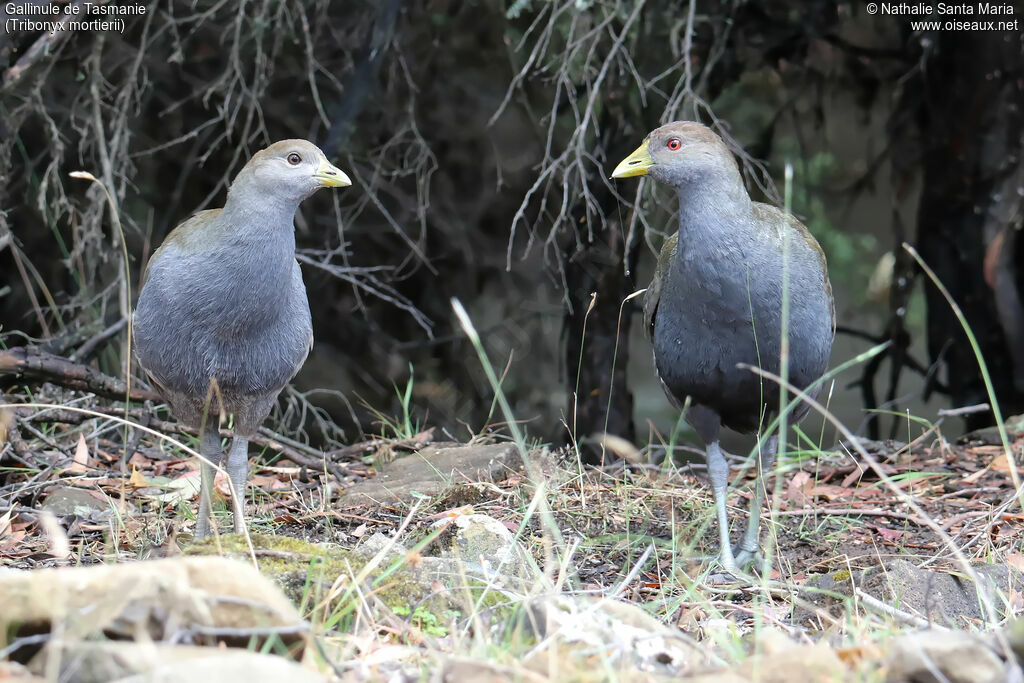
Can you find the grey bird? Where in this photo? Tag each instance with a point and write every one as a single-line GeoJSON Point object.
{"type": "Point", "coordinates": [222, 322]}
{"type": "Point", "coordinates": [716, 303]}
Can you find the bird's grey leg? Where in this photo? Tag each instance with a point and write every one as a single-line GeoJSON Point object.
{"type": "Point", "coordinates": [718, 471]}
{"type": "Point", "coordinates": [238, 472]}
{"type": "Point", "coordinates": [708, 424]}
{"type": "Point", "coordinates": [209, 448]}
{"type": "Point", "coordinates": [765, 467]}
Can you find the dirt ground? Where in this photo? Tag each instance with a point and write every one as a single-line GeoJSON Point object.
{"type": "Point", "coordinates": [831, 512]}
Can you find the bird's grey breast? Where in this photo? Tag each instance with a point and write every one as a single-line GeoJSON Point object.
{"type": "Point", "coordinates": [242, 320]}
{"type": "Point", "coordinates": [710, 318]}
{"type": "Point", "coordinates": [721, 306]}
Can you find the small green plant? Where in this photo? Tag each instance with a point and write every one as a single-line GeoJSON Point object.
{"type": "Point", "coordinates": [403, 427]}
{"type": "Point", "coordinates": [428, 622]}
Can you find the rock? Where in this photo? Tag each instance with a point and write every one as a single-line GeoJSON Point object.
{"type": "Point", "coordinates": [12, 672]}
{"type": "Point", "coordinates": [1015, 637]}
{"type": "Point", "coordinates": [457, 669]}
{"type": "Point", "coordinates": [940, 597]}
{"type": "Point", "coordinates": [65, 501]}
{"type": "Point", "coordinates": [377, 544]}
{"type": "Point", "coordinates": [782, 664]}
{"type": "Point", "coordinates": [589, 634]}
{"type": "Point", "coordinates": [717, 677]}
{"type": "Point", "coordinates": [485, 546]}
{"type": "Point", "coordinates": [99, 662]}
{"type": "Point", "coordinates": [311, 573]}
{"type": "Point", "coordinates": [954, 656]}
{"type": "Point", "coordinates": [779, 659]}
{"type": "Point", "coordinates": [430, 471]}
{"type": "Point", "coordinates": [230, 667]}
{"type": "Point", "coordinates": [205, 599]}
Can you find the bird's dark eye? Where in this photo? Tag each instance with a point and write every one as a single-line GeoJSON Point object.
{"type": "Point", "coordinates": [294, 159]}
{"type": "Point", "coordinates": [674, 144]}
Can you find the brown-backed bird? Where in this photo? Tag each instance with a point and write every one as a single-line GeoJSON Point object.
{"type": "Point", "coordinates": [222, 322]}
{"type": "Point", "coordinates": [716, 304]}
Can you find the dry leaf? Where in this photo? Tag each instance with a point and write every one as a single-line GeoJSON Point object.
{"type": "Point", "coordinates": [60, 547]}
{"type": "Point", "coordinates": [972, 478]}
{"type": "Point", "coordinates": [5, 523]}
{"type": "Point", "coordinates": [1016, 560]}
{"type": "Point", "coordinates": [998, 464]}
{"type": "Point", "coordinates": [9, 543]}
{"type": "Point", "coordinates": [138, 479]}
{"type": "Point", "coordinates": [6, 422]}
{"type": "Point", "coordinates": [174, 491]}
{"type": "Point", "coordinates": [798, 491]}
{"type": "Point", "coordinates": [269, 483]}
{"type": "Point", "coordinates": [623, 448]}
{"type": "Point", "coordinates": [891, 535]}
{"type": "Point", "coordinates": [222, 484]}
{"type": "Point", "coordinates": [80, 463]}
{"type": "Point", "coordinates": [852, 656]}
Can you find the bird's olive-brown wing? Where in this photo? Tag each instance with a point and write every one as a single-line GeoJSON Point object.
{"type": "Point", "coordinates": [768, 214]}
{"type": "Point", "coordinates": [180, 235]}
{"type": "Point", "coordinates": [652, 297]}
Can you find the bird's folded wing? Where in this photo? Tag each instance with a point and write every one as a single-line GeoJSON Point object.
{"type": "Point", "coordinates": [653, 294]}
{"type": "Point", "coordinates": [180, 236]}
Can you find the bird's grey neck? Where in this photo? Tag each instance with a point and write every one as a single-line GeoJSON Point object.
{"type": "Point", "coordinates": [714, 210]}
{"type": "Point", "coordinates": [264, 217]}
{"type": "Point", "coordinates": [716, 228]}
{"type": "Point", "coordinates": [261, 243]}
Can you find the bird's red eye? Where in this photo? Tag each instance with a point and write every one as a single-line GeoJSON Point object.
{"type": "Point", "coordinates": [294, 159]}
{"type": "Point", "coordinates": [674, 144]}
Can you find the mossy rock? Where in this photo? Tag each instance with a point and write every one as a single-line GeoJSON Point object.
{"type": "Point", "coordinates": [328, 583]}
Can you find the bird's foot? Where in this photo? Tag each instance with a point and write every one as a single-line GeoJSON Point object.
{"type": "Point", "coordinates": [735, 569]}
{"type": "Point", "coordinates": [724, 577]}
{"type": "Point", "coordinates": [746, 559]}
{"type": "Point", "coordinates": [238, 515]}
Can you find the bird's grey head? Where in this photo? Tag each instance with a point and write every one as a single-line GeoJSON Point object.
{"type": "Point", "coordinates": [289, 171]}
{"type": "Point", "coordinates": [679, 154]}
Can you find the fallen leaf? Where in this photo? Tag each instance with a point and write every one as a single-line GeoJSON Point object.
{"type": "Point", "coordinates": [622, 448]}
{"type": "Point", "coordinates": [269, 483]}
{"type": "Point", "coordinates": [972, 478]}
{"type": "Point", "coordinates": [998, 464]}
{"type": "Point", "coordinates": [138, 479]}
{"type": "Point", "coordinates": [222, 484]}
{"type": "Point", "coordinates": [892, 535]}
{"type": "Point", "coordinates": [1016, 560]}
{"type": "Point", "coordinates": [856, 654]}
{"type": "Point", "coordinates": [451, 513]}
{"type": "Point", "coordinates": [174, 490]}
{"type": "Point", "coordinates": [6, 422]}
{"type": "Point", "coordinates": [11, 542]}
{"type": "Point", "coordinates": [830, 492]}
{"type": "Point", "coordinates": [80, 463]}
{"type": "Point", "coordinates": [798, 491]}
{"type": "Point", "coordinates": [5, 523]}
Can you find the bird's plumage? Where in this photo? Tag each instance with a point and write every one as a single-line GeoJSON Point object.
{"type": "Point", "coordinates": [727, 311]}
{"type": "Point", "coordinates": [222, 322]}
{"type": "Point", "coordinates": [234, 306]}
{"type": "Point", "coordinates": [715, 302]}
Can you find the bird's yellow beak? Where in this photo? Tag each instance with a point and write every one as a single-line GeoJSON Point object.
{"type": "Point", "coordinates": [331, 176]}
{"type": "Point", "coordinates": [635, 164]}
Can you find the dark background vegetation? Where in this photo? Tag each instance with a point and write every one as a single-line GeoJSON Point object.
{"type": "Point", "coordinates": [480, 137]}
